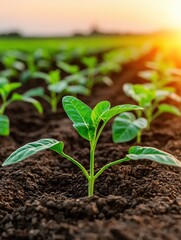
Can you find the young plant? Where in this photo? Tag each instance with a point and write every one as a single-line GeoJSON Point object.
{"type": "Point", "coordinates": [71, 69]}
{"type": "Point", "coordinates": [160, 73]}
{"type": "Point", "coordinates": [90, 63]}
{"type": "Point", "coordinates": [7, 98]}
{"type": "Point", "coordinates": [90, 123]}
{"type": "Point", "coordinates": [57, 88]}
{"type": "Point", "coordinates": [151, 101]}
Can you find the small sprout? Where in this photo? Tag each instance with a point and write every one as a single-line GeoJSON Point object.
{"type": "Point", "coordinates": [151, 101]}
{"type": "Point", "coordinates": [161, 72]}
{"type": "Point", "coordinates": [90, 63]}
{"type": "Point", "coordinates": [58, 88]}
{"type": "Point", "coordinates": [90, 123]}
{"type": "Point", "coordinates": [8, 97]}
{"type": "Point", "coordinates": [71, 69]}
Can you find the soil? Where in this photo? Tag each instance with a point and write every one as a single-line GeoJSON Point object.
{"type": "Point", "coordinates": [45, 196]}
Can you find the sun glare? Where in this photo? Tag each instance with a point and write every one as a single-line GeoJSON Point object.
{"type": "Point", "coordinates": [175, 14]}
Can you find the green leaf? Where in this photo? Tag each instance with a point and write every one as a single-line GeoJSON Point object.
{"type": "Point", "coordinates": [163, 94]}
{"type": "Point", "coordinates": [98, 111]}
{"type": "Point", "coordinates": [54, 77]}
{"type": "Point", "coordinates": [58, 87]}
{"type": "Point", "coordinates": [90, 62]}
{"type": "Point", "coordinates": [34, 102]}
{"type": "Point", "coordinates": [34, 92]}
{"type": "Point", "coordinates": [3, 81]}
{"type": "Point", "coordinates": [153, 154]}
{"type": "Point", "coordinates": [80, 114]}
{"type": "Point", "coordinates": [33, 148]}
{"type": "Point", "coordinates": [167, 108]}
{"type": "Point", "coordinates": [78, 89]}
{"type": "Point", "coordinates": [40, 75]}
{"type": "Point", "coordinates": [4, 125]}
{"type": "Point", "coordinates": [140, 93]}
{"type": "Point", "coordinates": [126, 127]}
{"type": "Point", "coordinates": [149, 75]}
{"type": "Point", "coordinates": [119, 109]}
{"type": "Point", "coordinates": [8, 88]}
{"type": "Point", "coordinates": [67, 67]}
{"type": "Point", "coordinates": [77, 78]}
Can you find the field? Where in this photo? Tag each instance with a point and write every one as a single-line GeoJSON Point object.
{"type": "Point", "coordinates": [47, 196]}
{"type": "Point", "coordinates": [56, 43]}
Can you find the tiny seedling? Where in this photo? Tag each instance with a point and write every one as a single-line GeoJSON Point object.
{"type": "Point", "coordinates": [71, 69]}
{"type": "Point", "coordinates": [90, 123]}
{"type": "Point", "coordinates": [90, 63]}
{"type": "Point", "coordinates": [8, 97]}
{"type": "Point", "coordinates": [161, 72]}
{"type": "Point", "coordinates": [151, 101]}
{"type": "Point", "coordinates": [57, 88]}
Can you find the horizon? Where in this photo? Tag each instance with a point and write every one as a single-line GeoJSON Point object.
{"type": "Point", "coordinates": [63, 18]}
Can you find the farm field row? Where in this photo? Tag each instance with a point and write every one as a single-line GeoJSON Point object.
{"type": "Point", "coordinates": [124, 103]}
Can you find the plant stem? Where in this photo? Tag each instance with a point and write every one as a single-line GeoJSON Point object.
{"type": "Point", "coordinates": [53, 102]}
{"type": "Point", "coordinates": [109, 165]}
{"type": "Point", "coordinates": [91, 177]}
{"type": "Point", "coordinates": [91, 187]}
{"type": "Point", "coordinates": [138, 140]}
{"type": "Point", "coordinates": [93, 145]}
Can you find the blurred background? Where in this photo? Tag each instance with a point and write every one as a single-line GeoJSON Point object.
{"type": "Point", "coordinates": [152, 22]}
{"type": "Point", "coordinates": [69, 17]}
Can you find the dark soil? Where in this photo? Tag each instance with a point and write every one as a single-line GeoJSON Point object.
{"type": "Point", "coordinates": [45, 197]}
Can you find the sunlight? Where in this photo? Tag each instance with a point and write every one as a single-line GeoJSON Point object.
{"type": "Point", "coordinates": [175, 14]}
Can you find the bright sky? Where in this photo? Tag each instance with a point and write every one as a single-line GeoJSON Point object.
{"type": "Point", "coordinates": [44, 17]}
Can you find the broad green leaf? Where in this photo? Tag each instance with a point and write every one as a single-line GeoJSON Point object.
{"type": "Point", "coordinates": [162, 94]}
{"type": "Point", "coordinates": [42, 63]}
{"type": "Point", "coordinates": [98, 111]}
{"type": "Point", "coordinates": [54, 77]}
{"type": "Point", "coordinates": [41, 75]}
{"type": "Point", "coordinates": [25, 76]}
{"type": "Point", "coordinates": [32, 148]}
{"type": "Point", "coordinates": [34, 102]}
{"type": "Point", "coordinates": [156, 155]}
{"type": "Point", "coordinates": [4, 125]}
{"type": "Point", "coordinates": [126, 127]}
{"type": "Point", "coordinates": [58, 87]}
{"type": "Point", "coordinates": [90, 62]}
{"type": "Point", "coordinates": [34, 92]}
{"type": "Point", "coordinates": [77, 78]}
{"type": "Point", "coordinates": [167, 108]}
{"type": "Point", "coordinates": [150, 75]}
{"type": "Point", "coordinates": [18, 65]}
{"type": "Point", "coordinates": [67, 67]}
{"type": "Point", "coordinates": [140, 93]}
{"type": "Point", "coordinates": [8, 88]}
{"type": "Point", "coordinates": [119, 109]}
{"type": "Point", "coordinates": [80, 115]}
{"type": "Point", "coordinates": [3, 81]}
{"type": "Point", "coordinates": [8, 73]}
{"type": "Point", "coordinates": [78, 89]}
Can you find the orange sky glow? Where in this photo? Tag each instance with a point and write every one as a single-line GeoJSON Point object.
{"type": "Point", "coordinates": [45, 17]}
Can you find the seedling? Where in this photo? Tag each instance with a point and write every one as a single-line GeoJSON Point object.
{"type": "Point", "coordinates": [6, 89]}
{"type": "Point", "coordinates": [90, 123]}
{"type": "Point", "coordinates": [160, 73]}
{"type": "Point", "coordinates": [71, 69]}
{"type": "Point", "coordinates": [150, 100]}
{"type": "Point", "coordinates": [90, 63]}
{"type": "Point", "coordinates": [57, 88]}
